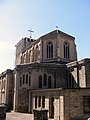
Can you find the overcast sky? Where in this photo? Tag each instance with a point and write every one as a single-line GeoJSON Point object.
{"type": "Point", "coordinates": [42, 16]}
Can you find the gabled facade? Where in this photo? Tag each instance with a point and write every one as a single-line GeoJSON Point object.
{"type": "Point", "coordinates": [55, 46]}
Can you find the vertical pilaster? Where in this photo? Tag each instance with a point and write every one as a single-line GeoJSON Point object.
{"type": "Point", "coordinates": [30, 102]}
{"type": "Point", "coordinates": [15, 107]}
{"type": "Point", "coordinates": [62, 107]}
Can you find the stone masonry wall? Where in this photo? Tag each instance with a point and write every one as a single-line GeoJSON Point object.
{"type": "Point", "coordinates": [74, 104]}
{"type": "Point", "coordinates": [23, 101]}
{"type": "Point", "coordinates": [68, 103]}
{"type": "Point", "coordinates": [88, 75]}
{"type": "Point", "coordinates": [82, 76]}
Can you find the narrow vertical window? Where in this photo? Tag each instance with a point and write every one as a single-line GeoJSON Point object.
{"type": "Point", "coordinates": [39, 101]}
{"type": "Point", "coordinates": [49, 82]}
{"type": "Point", "coordinates": [29, 80]}
{"type": "Point", "coordinates": [30, 56]}
{"type": "Point", "coordinates": [26, 78]}
{"type": "Point", "coordinates": [23, 79]}
{"type": "Point", "coordinates": [37, 53]}
{"type": "Point", "coordinates": [44, 80]}
{"type": "Point", "coordinates": [43, 102]}
{"type": "Point", "coordinates": [40, 81]}
{"type": "Point", "coordinates": [50, 50]}
{"type": "Point", "coordinates": [66, 50]}
{"type": "Point", "coordinates": [35, 101]}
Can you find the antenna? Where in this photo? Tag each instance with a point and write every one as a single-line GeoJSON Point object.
{"type": "Point", "coordinates": [30, 33]}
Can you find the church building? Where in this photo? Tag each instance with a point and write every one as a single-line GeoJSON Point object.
{"type": "Point", "coordinates": [48, 75]}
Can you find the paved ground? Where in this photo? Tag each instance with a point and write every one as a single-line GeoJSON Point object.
{"type": "Point", "coordinates": [18, 116]}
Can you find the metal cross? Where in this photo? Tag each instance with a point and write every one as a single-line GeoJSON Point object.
{"type": "Point", "coordinates": [30, 33]}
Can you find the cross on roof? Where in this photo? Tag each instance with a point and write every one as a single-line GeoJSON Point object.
{"type": "Point", "coordinates": [30, 33]}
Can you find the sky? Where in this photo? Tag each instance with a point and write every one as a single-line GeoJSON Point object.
{"type": "Point", "coordinates": [42, 16]}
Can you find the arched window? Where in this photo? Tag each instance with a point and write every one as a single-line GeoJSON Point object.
{"type": "Point", "coordinates": [49, 82]}
{"type": "Point", "coordinates": [66, 50]}
{"type": "Point", "coordinates": [50, 50]}
{"type": "Point", "coordinates": [29, 80]}
{"type": "Point", "coordinates": [32, 55]}
{"type": "Point", "coordinates": [26, 78]}
{"type": "Point", "coordinates": [23, 78]}
{"type": "Point", "coordinates": [36, 53]}
{"type": "Point", "coordinates": [29, 56]}
{"type": "Point", "coordinates": [44, 80]}
{"type": "Point", "coordinates": [40, 81]}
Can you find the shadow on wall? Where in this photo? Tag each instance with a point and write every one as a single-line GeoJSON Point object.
{"type": "Point", "coordinates": [71, 82]}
